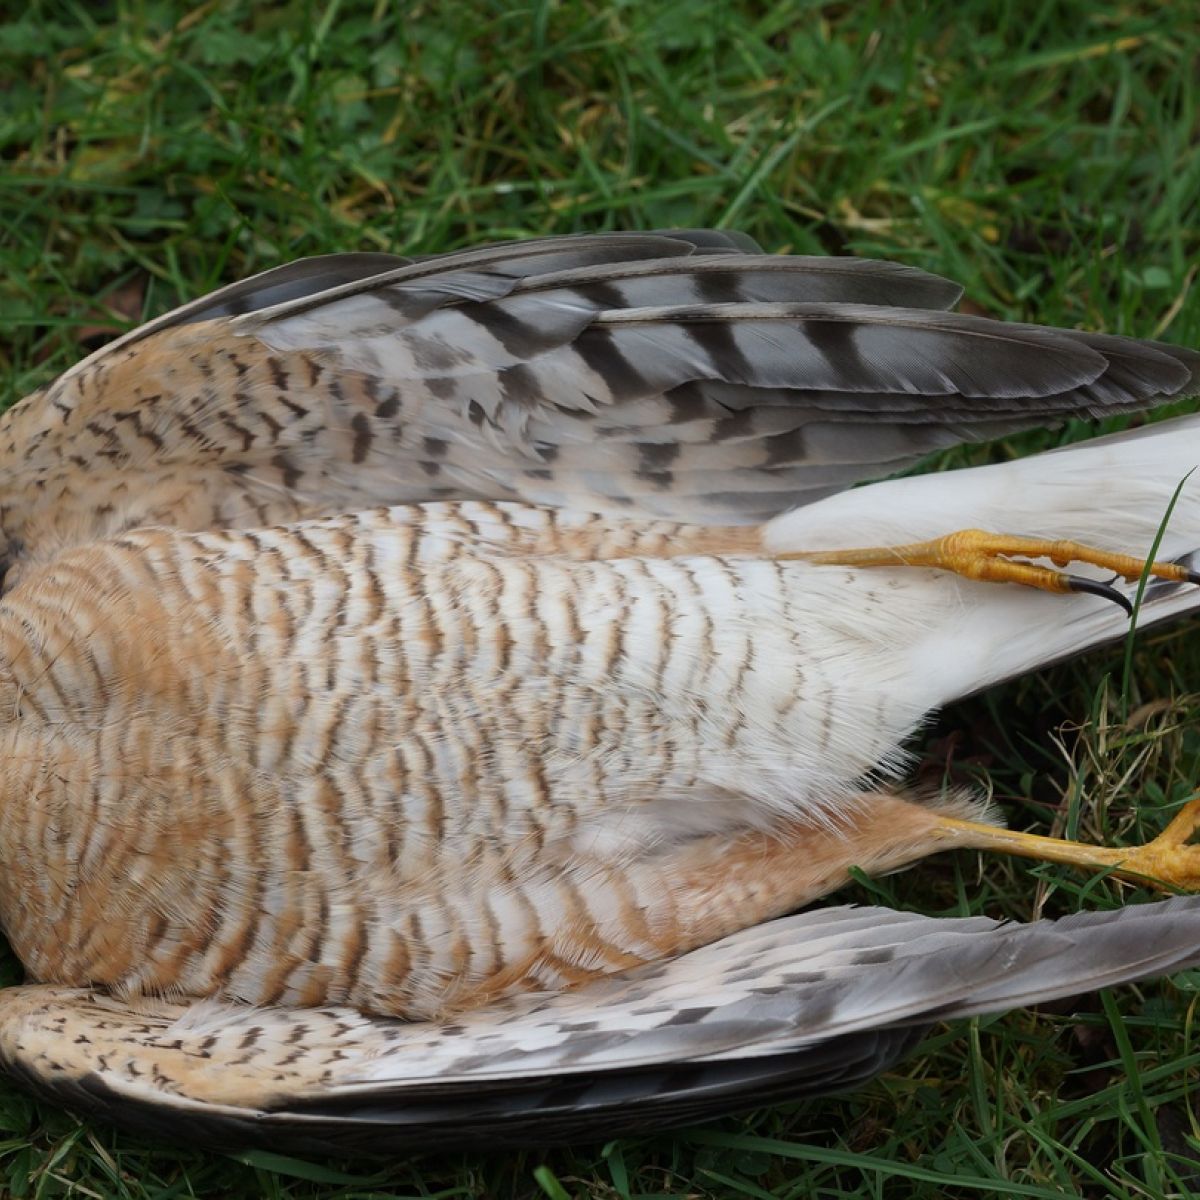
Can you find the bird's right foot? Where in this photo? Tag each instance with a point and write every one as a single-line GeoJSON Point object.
{"type": "Point", "coordinates": [977, 554]}
{"type": "Point", "coordinates": [1171, 862]}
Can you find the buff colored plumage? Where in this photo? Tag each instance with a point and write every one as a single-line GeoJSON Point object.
{"type": "Point", "coordinates": [416, 644]}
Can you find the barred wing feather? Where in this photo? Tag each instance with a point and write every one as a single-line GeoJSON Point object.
{"type": "Point", "coordinates": [682, 375]}
{"type": "Point", "coordinates": [800, 1006]}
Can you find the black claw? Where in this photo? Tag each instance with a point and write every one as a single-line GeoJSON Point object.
{"type": "Point", "coordinates": [1077, 583]}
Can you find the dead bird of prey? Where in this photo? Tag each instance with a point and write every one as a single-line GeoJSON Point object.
{"type": "Point", "coordinates": [425, 678]}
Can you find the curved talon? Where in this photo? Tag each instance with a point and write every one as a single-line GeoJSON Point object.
{"type": "Point", "coordinates": [989, 557]}
{"type": "Point", "coordinates": [1093, 587]}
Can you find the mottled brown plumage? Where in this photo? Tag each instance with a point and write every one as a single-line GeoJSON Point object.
{"type": "Point", "coordinates": [417, 758]}
{"type": "Point", "coordinates": [421, 640]}
{"type": "Point", "coordinates": [685, 376]}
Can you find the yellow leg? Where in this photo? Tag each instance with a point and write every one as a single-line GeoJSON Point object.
{"type": "Point", "coordinates": [976, 554]}
{"type": "Point", "coordinates": [1171, 860]}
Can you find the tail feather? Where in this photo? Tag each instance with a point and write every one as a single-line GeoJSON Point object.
{"type": "Point", "coordinates": [1112, 493]}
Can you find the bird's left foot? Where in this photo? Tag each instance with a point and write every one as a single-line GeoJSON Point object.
{"type": "Point", "coordinates": [977, 554]}
{"type": "Point", "coordinates": [1170, 862]}
{"type": "Point", "coordinates": [1173, 858]}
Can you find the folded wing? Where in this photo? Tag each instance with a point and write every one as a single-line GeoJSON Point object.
{"type": "Point", "coordinates": [809, 1004]}
{"type": "Point", "coordinates": [680, 374]}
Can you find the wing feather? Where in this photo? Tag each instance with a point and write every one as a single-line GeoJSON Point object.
{"type": "Point", "coordinates": [679, 374]}
{"type": "Point", "coordinates": [554, 391]}
{"type": "Point", "coordinates": [799, 1006]}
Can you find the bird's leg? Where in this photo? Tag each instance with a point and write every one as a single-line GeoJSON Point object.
{"type": "Point", "coordinates": [712, 886]}
{"type": "Point", "coordinates": [976, 554]}
{"type": "Point", "coordinates": [677, 897]}
{"type": "Point", "coordinates": [1170, 861]}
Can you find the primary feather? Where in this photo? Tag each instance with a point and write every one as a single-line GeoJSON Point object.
{"type": "Point", "coordinates": [800, 1006]}
{"type": "Point", "coordinates": [680, 375]}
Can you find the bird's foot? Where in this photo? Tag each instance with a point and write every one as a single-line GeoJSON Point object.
{"type": "Point", "coordinates": [1173, 858]}
{"type": "Point", "coordinates": [1170, 862]}
{"type": "Point", "coordinates": [977, 554]}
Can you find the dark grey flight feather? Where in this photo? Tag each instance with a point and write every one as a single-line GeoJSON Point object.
{"type": "Point", "coordinates": [721, 387]}
{"type": "Point", "coordinates": [292, 281]}
{"type": "Point", "coordinates": [680, 374]}
{"type": "Point", "coordinates": [502, 265]}
{"type": "Point", "coordinates": [809, 1004]}
{"type": "Point", "coordinates": [325, 276]}
{"type": "Point", "coordinates": [744, 278]}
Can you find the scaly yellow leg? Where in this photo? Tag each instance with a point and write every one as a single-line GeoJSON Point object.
{"type": "Point", "coordinates": [1171, 860]}
{"type": "Point", "coordinates": [977, 554]}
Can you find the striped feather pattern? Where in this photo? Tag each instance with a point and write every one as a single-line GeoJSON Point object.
{"type": "Point", "coordinates": [419, 770]}
{"type": "Point", "coordinates": [811, 1003]}
{"type": "Point", "coordinates": [359, 755]}
{"type": "Point", "coordinates": [682, 375]}
{"type": "Point", "coordinates": [418, 758]}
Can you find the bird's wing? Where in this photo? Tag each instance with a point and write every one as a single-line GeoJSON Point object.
{"type": "Point", "coordinates": [698, 387]}
{"type": "Point", "coordinates": [811, 1003]}
{"type": "Point", "coordinates": [324, 275]}
{"type": "Point", "coordinates": [674, 375]}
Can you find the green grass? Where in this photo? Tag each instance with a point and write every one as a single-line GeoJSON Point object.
{"type": "Point", "coordinates": [1048, 155]}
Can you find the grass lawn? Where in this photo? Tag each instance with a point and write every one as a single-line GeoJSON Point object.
{"type": "Point", "coordinates": [1045, 154]}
